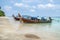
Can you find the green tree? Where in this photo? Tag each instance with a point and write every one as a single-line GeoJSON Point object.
{"type": "Point", "coordinates": [1, 12]}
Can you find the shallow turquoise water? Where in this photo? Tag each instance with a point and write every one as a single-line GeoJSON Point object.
{"type": "Point", "coordinates": [49, 31]}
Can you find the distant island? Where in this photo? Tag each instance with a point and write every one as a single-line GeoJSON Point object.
{"type": "Point", "coordinates": [2, 12]}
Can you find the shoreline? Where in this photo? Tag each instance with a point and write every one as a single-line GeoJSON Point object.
{"type": "Point", "coordinates": [12, 30]}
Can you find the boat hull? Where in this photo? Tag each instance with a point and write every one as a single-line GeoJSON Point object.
{"type": "Point", "coordinates": [34, 21]}
{"type": "Point", "coordinates": [17, 18]}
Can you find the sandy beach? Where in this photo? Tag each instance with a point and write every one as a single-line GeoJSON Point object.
{"type": "Point", "coordinates": [14, 30]}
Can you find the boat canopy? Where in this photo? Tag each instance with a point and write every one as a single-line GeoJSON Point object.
{"type": "Point", "coordinates": [29, 17]}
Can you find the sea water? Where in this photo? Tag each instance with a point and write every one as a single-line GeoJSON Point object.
{"type": "Point", "coordinates": [11, 29]}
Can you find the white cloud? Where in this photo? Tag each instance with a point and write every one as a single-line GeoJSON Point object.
{"type": "Point", "coordinates": [49, 5]}
{"type": "Point", "coordinates": [19, 4]}
{"type": "Point", "coordinates": [33, 6]}
{"type": "Point", "coordinates": [50, 0]}
{"type": "Point", "coordinates": [22, 5]}
{"type": "Point", "coordinates": [32, 10]}
{"type": "Point", "coordinates": [7, 7]}
{"type": "Point", "coordinates": [27, 0]}
{"type": "Point", "coordinates": [41, 6]}
{"type": "Point", "coordinates": [31, 1]}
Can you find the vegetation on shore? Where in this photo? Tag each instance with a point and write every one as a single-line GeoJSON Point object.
{"type": "Point", "coordinates": [1, 12]}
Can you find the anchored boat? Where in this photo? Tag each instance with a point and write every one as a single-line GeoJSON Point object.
{"type": "Point", "coordinates": [29, 19]}
{"type": "Point", "coordinates": [35, 20]}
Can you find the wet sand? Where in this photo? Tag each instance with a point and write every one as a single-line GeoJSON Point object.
{"type": "Point", "coordinates": [14, 30]}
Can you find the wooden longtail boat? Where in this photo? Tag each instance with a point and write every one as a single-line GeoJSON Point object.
{"type": "Point", "coordinates": [35, 21]}
{"type": "Point", "coordinates": [30, 19]}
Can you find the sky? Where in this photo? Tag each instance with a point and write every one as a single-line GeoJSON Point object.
{"type": "Point", "coordinates": [31, 7]}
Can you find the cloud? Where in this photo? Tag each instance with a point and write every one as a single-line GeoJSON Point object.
{"type": "Point", "coordinates": [51, 0]}
{"type": "Point", "coordinates": [32, 1]}
{"type": "Point", "coordinates": [19, 4]}
{"type": "Point", "coordinates": [34, 7]}
{"type": "Point", "coordinates": [32, 10]}
{"type": "Point", "coordinates": [39, 6]}
{"type": "Point", "coordinates": [27, 0]}
{"type": "Point", "coordinates": [49, 5]}
{"type": "Point", "coordinates": [7, 8]}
